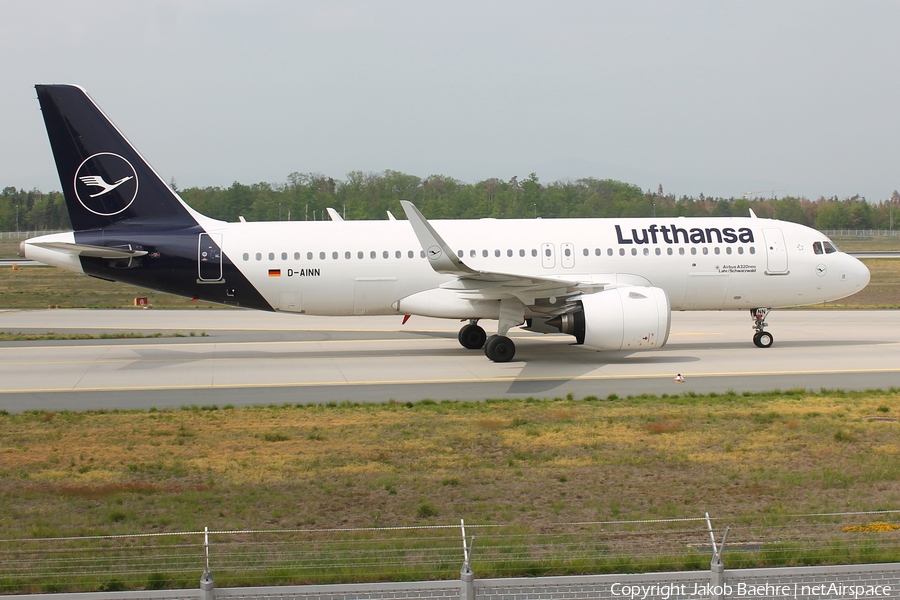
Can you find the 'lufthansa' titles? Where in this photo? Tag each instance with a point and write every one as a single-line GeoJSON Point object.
{"type": "Point", "coordinates": [670, 234]}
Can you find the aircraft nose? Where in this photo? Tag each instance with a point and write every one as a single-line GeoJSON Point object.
{"type": "Point", "coordinates": [857, 273]}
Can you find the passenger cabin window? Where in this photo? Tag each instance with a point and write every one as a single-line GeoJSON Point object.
{"type": "Point", "coordinates": [385, 254]}
{"type": "Point", "coordinates": [334, 255]}
{"type": "Point", "coordinates": [296, 256]}
{"type": "Point", "coordinates": [410, 254]}
{"type": "Point", "coordinates": [246, 256]}
{"type": "Point", "coordinates": [360, 254]}
{"type": "Point", "coordinates": [533, 252]}
{"type": "Point", "coordinates": [347, 255]}
{"type": "Point", "coordinates": [321, 256]}
{"type": "Point", "coordinates": [309, 256]}
{"type": "Point", "coordinates": [284, 256]}
{"type": "Point", "coordinates": [372, 254]}
{"type": "Point", "coordinates": [259, 256]}
{"type": "Point", "coordinates": [509, 253]}
{"type": "Point", "coordinates": [484, 253]}
{"type": "Point", "coordinates": [459, 253]}
{"type": "Point", "coordinates": [271, 256]}
{"type": "Point", "coordinates": [497, 253]}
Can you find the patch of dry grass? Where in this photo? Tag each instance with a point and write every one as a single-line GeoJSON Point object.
{"type": "Point", "coordinates": [514, 462]}
{"type": "Point", "coordinates": [43, 287]}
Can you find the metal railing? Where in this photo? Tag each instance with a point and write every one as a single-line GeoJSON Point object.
{"type": "Point", "coordinates": [305, 556]}
{"type": "Point", "coordinates": [862, 233]}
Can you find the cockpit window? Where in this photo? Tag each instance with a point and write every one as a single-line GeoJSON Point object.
{"type": "Point", "coordinates": [824, 248]}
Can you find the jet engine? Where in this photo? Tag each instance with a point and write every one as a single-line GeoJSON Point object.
{"type": "Point", "coordinates": [627, 318]}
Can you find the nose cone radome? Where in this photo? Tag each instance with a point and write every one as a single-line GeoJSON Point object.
{"type": "Point", "coordinates": [857, 274]}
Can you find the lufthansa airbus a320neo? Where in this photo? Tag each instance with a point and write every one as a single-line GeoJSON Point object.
{"type": "Point", "coordinates": [610, 283]}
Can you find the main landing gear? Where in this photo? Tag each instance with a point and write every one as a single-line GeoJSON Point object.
{"type": "Point", "coordinates": [498, 348]}
{"type": "Point", "coordinates": [472, 336]}
{"type": "Point", "coordinates": [762, 338]}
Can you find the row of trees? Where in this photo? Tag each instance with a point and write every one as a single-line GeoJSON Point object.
{"type": "Point", "coordinates": [305, 196]}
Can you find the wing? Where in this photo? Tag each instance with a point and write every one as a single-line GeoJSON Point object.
{"type": "Point", "coordinates": [541, 294]}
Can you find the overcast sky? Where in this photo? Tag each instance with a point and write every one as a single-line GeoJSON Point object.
{"type": "Point", "coordinates": [719, 98]}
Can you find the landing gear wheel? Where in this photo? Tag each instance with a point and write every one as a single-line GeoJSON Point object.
{"type": "Point", "coordinates": [499, 348]}
{"type": "Point", "coordinates": [763, 339]}
{"type": "Point", "coordinates": [472, 337]}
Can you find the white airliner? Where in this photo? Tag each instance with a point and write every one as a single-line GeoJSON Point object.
{"type": "Point", "coordinates": [611, 283]}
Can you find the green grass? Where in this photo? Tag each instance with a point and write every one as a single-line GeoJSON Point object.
{"type": "Point", "coordinates": [751, 460]}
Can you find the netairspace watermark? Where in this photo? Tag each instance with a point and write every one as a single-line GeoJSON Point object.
{"type": "Point", "coordinates": [688, 591]}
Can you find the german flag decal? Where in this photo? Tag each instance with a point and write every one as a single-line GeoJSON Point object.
{"type": "Point", "coordinates": [274, 272]}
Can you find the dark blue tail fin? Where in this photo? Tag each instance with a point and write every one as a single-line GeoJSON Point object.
{"type": "Point", "coordinates": [103, 177]}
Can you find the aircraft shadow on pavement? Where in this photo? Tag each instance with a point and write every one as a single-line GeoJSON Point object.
{"type": "Point", "coordinates": [546, 371]}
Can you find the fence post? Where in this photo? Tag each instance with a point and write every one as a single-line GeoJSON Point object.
{"type": "Point", "coordinates": [716, 567]}
{"type": "Point", "coordinates": [207, 585]}
{"type": "Point", "coordinates": [466, 576]}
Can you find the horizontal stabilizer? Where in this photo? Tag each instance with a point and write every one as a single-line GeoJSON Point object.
{"type": "Point", "coordinates": [90, 251]}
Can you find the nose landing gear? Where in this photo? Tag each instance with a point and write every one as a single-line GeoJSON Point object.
{"type": "Point", "coordinates": [762, 338]}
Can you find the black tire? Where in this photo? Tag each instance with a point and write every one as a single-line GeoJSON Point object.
{"type": "Point", "coordinates": [472, 337]}
{"type": "Point", "coordinates": [763, 339]}
{"type": "Point", "coordinates": [756, 340]}
{"type": "Point", "coordinates": [499, 348]}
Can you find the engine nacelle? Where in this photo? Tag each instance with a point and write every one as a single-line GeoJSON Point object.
{"type": "Point", "coordinates": [628, 318]}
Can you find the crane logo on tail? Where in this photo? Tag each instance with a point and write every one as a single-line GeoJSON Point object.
{"type": "Point", "coordinates": [106, 184]}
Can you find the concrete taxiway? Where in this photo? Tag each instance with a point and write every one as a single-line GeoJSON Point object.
{"type": "Point", "coordinates": [250, 357]}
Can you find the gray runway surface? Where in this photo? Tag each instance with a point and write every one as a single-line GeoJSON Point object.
{"type": "Point", "coordinates": [262, 358]}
